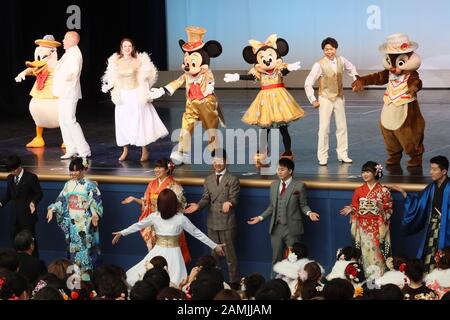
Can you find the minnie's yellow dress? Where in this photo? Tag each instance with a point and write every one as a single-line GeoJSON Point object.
{"type": "Point", "coordinates": [274, 106]}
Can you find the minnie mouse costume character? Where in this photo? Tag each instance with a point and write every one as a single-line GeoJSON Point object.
{"type": "Point", "coordinates": [274, 106]}
{"type": "Point", "coordinates": [201, 102]}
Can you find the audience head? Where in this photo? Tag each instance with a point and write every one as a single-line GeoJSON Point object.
{"type": "Point", "coordinates": [167, 204]}
{"type": "Point", "coordinates": [275, 289]}
{"type": "Point", "coordinates": [442, 258]}
{"type": "Point", "coordinates": [389, 292]}
{"type": "Point", "coordinates": [24, 241]}
{"type": "Point", "coordinates": [143, 290]}
{"type": "Point", "coordinates": [170, 293]}
{"type": "Point", "coordinates": [300, 250]}
{"type": "Point", "coordinates": [159, 262]}
{"type": "Point", "coordinates": [158, 276]}
{"type": "Point", "coordinates": [14, 287]}
{"type": "Point", "coordinates": [251, 284]}
{"type": "Point", "coordinates": [338, 289]}
{"type": "Point", "coordinates": [59, 268]}
{"type": "Point", "coordinates": [227, 294]}
{"type": "Point", "coordinates": [349, 254]}
{"type": "Point", "coordinates": [9, 260]}
{"type": "Point", "coordinates": [414, 270]}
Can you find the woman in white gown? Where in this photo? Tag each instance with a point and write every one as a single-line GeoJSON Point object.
{"type": "Point", "coordinates": [168, 224]}
{"type": "Point", "coordinates": [130, 75]}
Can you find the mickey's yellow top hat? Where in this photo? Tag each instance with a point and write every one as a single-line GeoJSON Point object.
{"type": "Point", "coordinates": [195, 38]}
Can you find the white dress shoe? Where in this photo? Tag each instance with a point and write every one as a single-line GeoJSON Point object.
{"type": "Point", "coordinates": [177, 158]}
{"type": "Point", "coordinates": [345, 160]}
{"type": "Point", "coordinates": [67, 156]}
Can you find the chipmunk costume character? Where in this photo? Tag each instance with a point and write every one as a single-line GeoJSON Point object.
{"type": "Point", "coordinates": [402, 124]}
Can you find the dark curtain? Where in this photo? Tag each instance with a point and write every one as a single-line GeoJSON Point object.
{"type": "Point", "coordinates": [103, 25]}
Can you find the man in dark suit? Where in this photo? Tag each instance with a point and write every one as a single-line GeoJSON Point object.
{"type": "Point", "coordinates": [24, 192]}
{"type": "Point", "coordinates": [287, 205]}
{"type": "Point", "coordinates": [221, 195]}
{"type": "Point", "coordinates": [29, 266]}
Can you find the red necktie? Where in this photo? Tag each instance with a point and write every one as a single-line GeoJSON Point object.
{"type": "Point", "coordinates": [283, 188]}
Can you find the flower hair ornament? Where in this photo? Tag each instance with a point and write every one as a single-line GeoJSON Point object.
{"type": "Point", "coordinates": [171, 166]}
{"type": "Point", "coordinates": [148, 265]}
{"type": "Point", "coordinates": [339, 255]}
{"type": "Point", "coordinates": [14, 297]}
{"type": "Point", "coordinates": [63, 294]}
{"type": "Point", "coordinates": [243, 287]}
{"type": "Point", "coordinates": [292, 256]}
{"type": "Point", "coordinates": [40, 285]}
{"type": "Point", "coordinates": [353, 272]}
{"type": "Point", "coordinates": [303, 275]}
{"type": "Point", "coordinates": [402, 267]}
{"type": "Point", "coordinates": [438, 256]}
{"type": "Point", "coordinates": [359, 292]}
{"type": "Point", "coordinates": [390, 263]}
{"type": "Point", "coordinates": [379, 170]}
{"type": "Point", "coordinates": [85, 163]}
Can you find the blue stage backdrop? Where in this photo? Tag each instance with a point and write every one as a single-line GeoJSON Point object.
{"type": "Point", "coordinates": [253, 242]}
{"type": "Point", "coordinates": [360, 26]}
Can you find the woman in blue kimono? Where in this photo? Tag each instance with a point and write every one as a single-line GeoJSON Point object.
{"type": "Point", "coordinates": [78, 209]}
{"type": "Point", "coordinates": [429, 210]}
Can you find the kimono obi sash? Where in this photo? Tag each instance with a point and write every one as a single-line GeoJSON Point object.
{"type": "Point", "coordinates": [368, 207]}
{"type": "Point", "coordinates": [167, 241]}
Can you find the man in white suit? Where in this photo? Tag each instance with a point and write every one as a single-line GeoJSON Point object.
{"type": "Point", "coordinates": [66, 86]}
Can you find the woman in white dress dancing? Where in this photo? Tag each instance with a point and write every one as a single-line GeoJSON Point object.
{"type": "Point", "coordinates": [168, 223]}
{"type": "Point", "coordinates": [130, 75]}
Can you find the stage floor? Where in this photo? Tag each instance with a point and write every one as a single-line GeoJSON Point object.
{"type": "Point", "coordinates": [365, 140]}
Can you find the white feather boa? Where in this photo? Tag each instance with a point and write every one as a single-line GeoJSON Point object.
{"type": "Point", "coordinates": [147, 76]}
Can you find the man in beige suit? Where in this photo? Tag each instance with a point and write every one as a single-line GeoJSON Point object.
{"type": "Point", "coordinates": [220, 195]}
{"type": "Point", "coordinates": [287, 206]}
{"type": "Point", "coordinates": [329, 72]}
{"type": "Point", "coordinates": [66, 86]}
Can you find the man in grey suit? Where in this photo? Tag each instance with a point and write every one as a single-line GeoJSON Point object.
{"type": "Point", "coordinates": [220, 195]}
{"type": "Point", "coordinates": [287, 205]}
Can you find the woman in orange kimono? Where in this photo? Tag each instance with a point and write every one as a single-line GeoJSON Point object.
{"type": "Point", "coordinates": [370, 211]}
{"type": "Point", "coordinates": [163, 180]}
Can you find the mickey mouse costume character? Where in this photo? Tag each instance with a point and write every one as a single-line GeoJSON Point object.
{"type": "Point", "coordinates": [274, 106]}
{"type": "Point", "coordinates": [402, 124]}
{"type": "Point", "coordinates": [201, 102]}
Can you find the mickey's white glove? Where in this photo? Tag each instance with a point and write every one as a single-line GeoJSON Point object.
{"type": "Point", "coordinates": [294, 66]}
{"type": "Point", "coordinates": [231, 77]}
{"type": "Point", "coordinates": [156, 93]}
{"type": "Point", "coordinates": [209, 89]}
{"type": "Point", "coordinates": [21, 76]}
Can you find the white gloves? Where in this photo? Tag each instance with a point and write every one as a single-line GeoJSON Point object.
{"type": "Point", "coordinates": [209, 89]}
{"type": "Point", "coordinates": [156, 93]}
{"type": "Point", "coordinates": [21, 76]}
{"type": "Point", "coordinates": [294, 66]}
{"type": "Point", "coordinates": [231, 77]}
